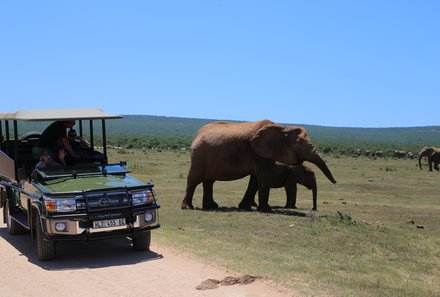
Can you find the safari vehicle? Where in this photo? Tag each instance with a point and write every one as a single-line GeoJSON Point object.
{"type": "Point", "coordinates": [86, 201]}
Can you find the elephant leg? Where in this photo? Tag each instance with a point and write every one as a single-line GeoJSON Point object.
{"type": "Point", "coordinates": [436, 166]}
{"type": "Point", "coordinates": [187, 201]}
{"type": "Point", "coordinates": [208, 200]}
{"type": "Point", "coordinates": [249, 197]}
{"type": "Point", "coordinates": [263, 198]}
{"type": "Point", "coordinates": [430, 164]}
{"type": "Point", "coordinates": [291, 191]}
{"type": "Point", "coordinates": [192, 182]}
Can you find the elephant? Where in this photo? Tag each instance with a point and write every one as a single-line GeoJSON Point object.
{"type": "Point", "coordinates": [286, 176]}
{"type": "Point", "coordinates": [399, 154]}
{"type": "Point", "coordinates": [226, 151]}
{"type": "Point", "coordinates": [433, 155]}
{"type": "Point", "coordinates": [378, 154]}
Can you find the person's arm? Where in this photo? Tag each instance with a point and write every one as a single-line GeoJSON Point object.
{"type": "Point", "coordinates": [84, 143]}
{"type": "Point", "coordinates": [68, 147]}
{"type": "Point", "coordinates": [61, 156]}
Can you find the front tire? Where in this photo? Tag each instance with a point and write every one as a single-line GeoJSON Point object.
{"type": "Point", "coordinates": [141, 241]}
{"type": "Point", "coordinates": [45, 248]}
{"type": "Point", "coordinates": [12, 225]}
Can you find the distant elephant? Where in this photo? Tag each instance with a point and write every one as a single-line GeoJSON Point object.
{"type": "Point", "coordinates": [286, 176]}
{"type": "Point", "coordinates": [399, 154]}
{"type": "Point", "coordinates": [378, 154]}
{"type": "Point", "coordinates": [227, 151]}
{"type": "Point", "coordinates": [433, 155]}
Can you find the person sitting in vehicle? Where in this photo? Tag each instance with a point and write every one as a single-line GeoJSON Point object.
{"type": "Point", "coordinates": [76, 142]}
{"type": "Point", "coordinates": [47, 161]}
{"type": "Point", "coordinates": [53, 138]}
{"type": "Point", "coordinates": [83, 149]}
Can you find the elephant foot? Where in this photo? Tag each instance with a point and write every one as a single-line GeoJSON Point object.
{"type": "Point", "coordinates": [264, 208]}
{"type": "Point", "coordinates": [210, 205]}
{"type": "Point", "coordinates": [245, 206]}
{"type": "Point", "coordinates": [315, 208]}
{"type": "Point", "coordinates": [290, 206]}
{"type": "Point", "coordinates": [186, 205]}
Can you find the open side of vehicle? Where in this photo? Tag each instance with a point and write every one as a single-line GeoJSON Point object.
{"type": "Point", "coordinates": [85, 201]}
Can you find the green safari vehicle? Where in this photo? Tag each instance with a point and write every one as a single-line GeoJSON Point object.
{"type": "Point", "coordinates": [91, 200]}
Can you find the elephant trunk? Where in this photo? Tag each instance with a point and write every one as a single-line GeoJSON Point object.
{"type": "Point", "coordinates": [316, 159]}
{"type": "Point", "coordinates": [315, 195]}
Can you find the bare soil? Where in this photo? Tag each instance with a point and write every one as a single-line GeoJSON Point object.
{"type": "Point", "coordinates": [112, 268]}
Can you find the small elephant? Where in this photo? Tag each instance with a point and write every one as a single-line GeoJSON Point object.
{"type": "Point", "coordinates": [286, 176]}
{"type": "Point", "coordinates": [228, 151]}
{"type": "Point", "coordinates": [433, 155]}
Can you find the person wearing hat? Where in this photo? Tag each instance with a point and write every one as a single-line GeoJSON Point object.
{"type": "Point", "coordinates": [53, 138]}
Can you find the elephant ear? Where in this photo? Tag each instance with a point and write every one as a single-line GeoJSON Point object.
{"type": "Point", "coordinates": [277, 142]}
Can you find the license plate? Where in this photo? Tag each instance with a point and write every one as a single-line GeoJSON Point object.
{"type": "Point", "coordinates": [109, 223]}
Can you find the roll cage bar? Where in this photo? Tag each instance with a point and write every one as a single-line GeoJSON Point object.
{"type": "Point", "coordinates": [82, 114]}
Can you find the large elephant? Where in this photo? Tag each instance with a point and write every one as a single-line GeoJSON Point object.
{"type": "Point", "coordinates": [286, 176]}
{"type": "Point", "coordinates": [433, 155]}
{"type": "Point", "coordinates": [227, 151]}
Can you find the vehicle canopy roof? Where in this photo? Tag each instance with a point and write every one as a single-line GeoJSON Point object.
{"type": "Point", "coordinates": [57, 115]}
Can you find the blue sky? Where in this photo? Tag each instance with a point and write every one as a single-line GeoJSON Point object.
{"type": "Point", "coordinates": [330, 63]}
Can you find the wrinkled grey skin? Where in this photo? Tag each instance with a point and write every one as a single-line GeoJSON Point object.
{"type": "Point", "coordinates": [286, 176]}
{"type": "Point", "coordinates": [433, 155]}
{"type": "Point", "coordinates": [227, 151]}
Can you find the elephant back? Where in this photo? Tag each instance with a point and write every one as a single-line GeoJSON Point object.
{"type": "Point", "coordinates": [219, 133]}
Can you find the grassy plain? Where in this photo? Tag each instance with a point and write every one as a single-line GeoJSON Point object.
{"type": "Point", "coordinates": [377, 231]}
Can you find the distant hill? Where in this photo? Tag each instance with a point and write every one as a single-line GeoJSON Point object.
{"type": "Point", "coordinates": [173, 126]}
{"type": "Point", "coordinates": [141, 126]}
{"type": "Point", "coordinates": [155, 125]}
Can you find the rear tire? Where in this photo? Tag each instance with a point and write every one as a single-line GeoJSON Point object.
{"type": "Point", "coordinates": [12, 225]}
{"type": "Point", "coordinates": [45, 248]}
{"type": "Point", "coordinates": [141, 241]}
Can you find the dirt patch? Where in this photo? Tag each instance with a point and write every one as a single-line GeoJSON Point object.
{"type": "Point", "coordinates": [227, 281]}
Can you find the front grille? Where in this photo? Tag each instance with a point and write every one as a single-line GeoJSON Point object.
{"type": "Point", "coordinates": [104, 201]}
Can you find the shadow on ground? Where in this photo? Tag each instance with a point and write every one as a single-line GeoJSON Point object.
{"type": "Point", "coordinates": [275, 210]}
{"type": "Point", "coordinates": [79, 254]}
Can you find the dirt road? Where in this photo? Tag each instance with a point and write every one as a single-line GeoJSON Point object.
{"type": "Point", "coordinates": [111, 268]}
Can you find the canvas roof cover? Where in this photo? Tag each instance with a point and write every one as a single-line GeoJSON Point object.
{"type": "Point", "coordinates": [58, 115]}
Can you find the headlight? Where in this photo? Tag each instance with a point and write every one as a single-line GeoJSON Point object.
{"type": "Point", "coordinates": [149, 217]}
{"type": "Point", "coordinates": [143, 197]}
{"type": "Point", "coordinates": [60, 205]}
{"type": "Point", "coordinates": [60, 226]}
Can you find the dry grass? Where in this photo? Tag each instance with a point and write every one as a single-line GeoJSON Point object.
{"type": "Point", "coordinates": [363, 241]}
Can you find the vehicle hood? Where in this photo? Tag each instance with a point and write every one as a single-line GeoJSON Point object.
{"type": "Point", "coordinates": [85, 183]}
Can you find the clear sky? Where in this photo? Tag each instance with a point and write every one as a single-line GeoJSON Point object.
{"type": "Point", "coordinates": [347, 63]}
